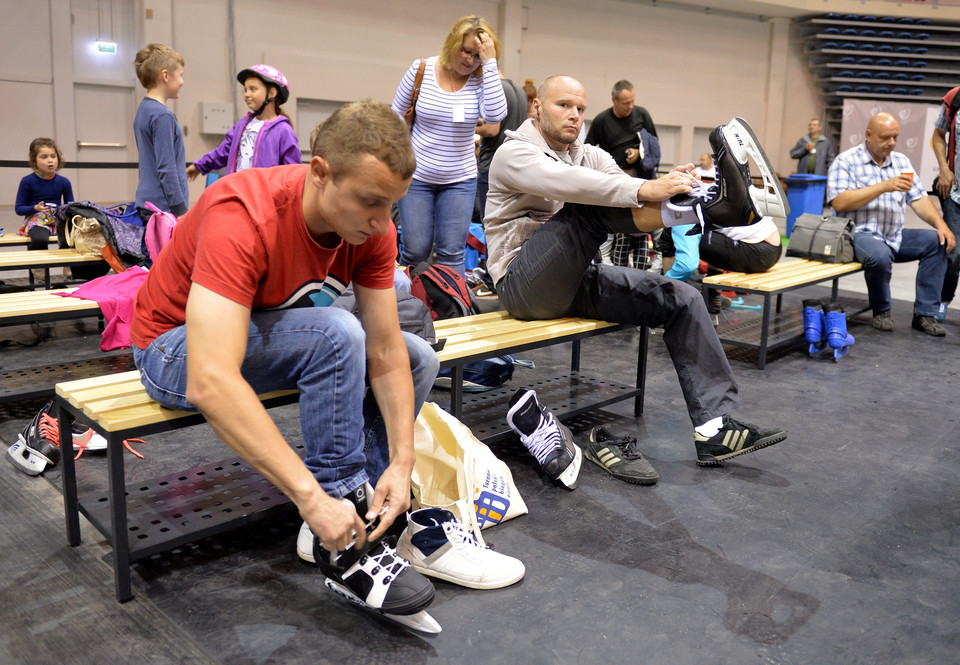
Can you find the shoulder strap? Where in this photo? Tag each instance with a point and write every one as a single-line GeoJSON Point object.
{"type": "Point", "coordinates": [418, 81]}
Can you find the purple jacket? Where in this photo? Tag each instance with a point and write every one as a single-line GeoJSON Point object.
{"type": "Point", "coordinates": [276, 144]}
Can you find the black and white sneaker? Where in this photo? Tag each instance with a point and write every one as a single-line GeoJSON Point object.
{"type": "Point", "coordinates": [733, 439]}
{"type": "Point", "coordinates": [33, 452]}
{"type": "Point", "coordinates": [546, 438]}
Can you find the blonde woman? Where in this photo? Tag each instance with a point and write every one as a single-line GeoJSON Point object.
{"type": "Point", "coordinates": [460, 86]}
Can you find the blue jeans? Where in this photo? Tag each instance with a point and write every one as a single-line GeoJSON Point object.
{"type": "Point", "coordinates": [436, 215]}
{"type": "Point", "coordinates": [319, 351]}
{"type": "Point", "coordinates": [951, 215]}
{"type": "Point", "coordinates": [878, 258]}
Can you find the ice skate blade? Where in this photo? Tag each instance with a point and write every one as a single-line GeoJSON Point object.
{"type": "Point", "coordinates": [571, 475]}
{"type": "Point", "coordinates": [419, 621]}
{"type": "Point", "coordinates": [743, 143]}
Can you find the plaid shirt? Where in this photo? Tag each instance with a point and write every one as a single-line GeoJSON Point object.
{"type": "Point", "coordinates": [883, 216]}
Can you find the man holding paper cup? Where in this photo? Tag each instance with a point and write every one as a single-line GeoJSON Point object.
{"type": "Point", "coordinates": [872, 184]}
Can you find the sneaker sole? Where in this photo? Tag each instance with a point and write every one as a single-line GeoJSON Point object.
{"type": "Point", "coordinates": [471, 584]}
{"type": "Point", "coordinates": [619, 476]}
{"type": "Point", "coordinates": [765, 442]}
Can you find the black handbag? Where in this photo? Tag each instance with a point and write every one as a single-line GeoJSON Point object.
{"type": "Point", "coordinates": [822, 238]}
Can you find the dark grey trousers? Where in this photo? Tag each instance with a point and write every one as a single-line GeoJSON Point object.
{"type": "Point", "coordinates": [553, 276]}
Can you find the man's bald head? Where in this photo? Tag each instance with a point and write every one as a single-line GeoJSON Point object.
{"type": "Point", "coordinates": [553, 84]}
{"type": "Point", "coordinates": [558, 111]}
{"type": "Point", "coordinates": [881, 136]}
{"type": "Point", "coordinates": [882, 120]}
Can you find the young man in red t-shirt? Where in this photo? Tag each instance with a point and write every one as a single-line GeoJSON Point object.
{"type": "Point", "coordinates": [243, 284]}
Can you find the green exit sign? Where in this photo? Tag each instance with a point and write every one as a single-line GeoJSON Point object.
{"type": "Point", "coordinates": [106, 47]}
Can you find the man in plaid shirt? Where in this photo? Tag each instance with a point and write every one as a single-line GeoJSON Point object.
{"type": "Point", "coordinates": [872, 184]}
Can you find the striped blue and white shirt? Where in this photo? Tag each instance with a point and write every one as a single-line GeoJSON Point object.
{"type": "Point", "coordinates": [883, 216]}
{"type": "Point", "coordinates": [445, 122]}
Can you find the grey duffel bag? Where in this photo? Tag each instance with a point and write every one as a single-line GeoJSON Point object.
{"type": "Point", "coordinates": [822, 238]}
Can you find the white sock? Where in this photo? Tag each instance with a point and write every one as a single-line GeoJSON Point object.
{"type": "Point", "coordinates": [710, 428]}
{"type": "Point", "coordinates": [674, 215]}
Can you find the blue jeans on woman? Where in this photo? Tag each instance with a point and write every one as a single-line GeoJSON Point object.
{"type": "Point", "coordinates": [320, 352]}
{"type": "Point", "coordinates": [878, 258]}
{"type": "Point", "coordinates": [436, 215]}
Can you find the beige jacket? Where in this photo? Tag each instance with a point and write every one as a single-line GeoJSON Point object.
{"type": "Point", "coordinates": [529, 184]}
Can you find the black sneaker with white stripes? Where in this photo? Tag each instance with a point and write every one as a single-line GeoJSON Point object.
{"type": "Point", "coordinates": [734, 438]}
{"type": "Point", "coordinates": [620, 458]}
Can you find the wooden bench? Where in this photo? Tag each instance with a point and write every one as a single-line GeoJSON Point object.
{"type": "Point", "coordinates": [44, 259]}
{"type": "Point", "coordinates": [28, 307]}
{"type": "Point", "coordinates": [787, 275]}
{"type": "Point", "coordinates": [183, 507]}
{"type": "Point", "coordinates": [16, 240]}
{"type": "Point", "coordinates": [40, 306]}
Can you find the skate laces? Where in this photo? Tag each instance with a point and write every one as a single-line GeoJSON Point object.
{"type": "Point", "coordinates": [545, 439]}
{"type": "Point", "coordinates": [50, 430]}
{"type": "Point", "coordinates": [386, 560]}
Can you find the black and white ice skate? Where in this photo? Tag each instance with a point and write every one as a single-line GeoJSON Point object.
{"type": "Point", "coordinates": [734, 200]}
{"type": "Point", "coordinates": [546, 438]}
{"type": "Point", "coordinates": [33, 453]}
{"type": "Point", "coordinates": [372, 576]}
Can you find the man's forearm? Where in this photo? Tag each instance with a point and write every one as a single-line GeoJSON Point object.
{"type": "Point", "coordinates": [854, 199]}
{"type": "Point", "coordinates": [239, 419]}
{"type": "Point", "coordinates": [939, 144]}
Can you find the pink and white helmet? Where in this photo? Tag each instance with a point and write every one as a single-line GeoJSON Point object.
{"type": "Point", "coordinates": [270, 75]}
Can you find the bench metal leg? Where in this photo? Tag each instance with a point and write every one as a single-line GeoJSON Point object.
{"type": "Point", "coordinates": [779, 301]}
{"type": "Point", "coordinates": [575, 356]}
{"type": "Point", "coordinates": [835, 290]}
{"type": "Point", "coordinates": [765, 331]}
{"type": "Point", "coordinates": [71, 509]}
{"type": "Point", "coordinates": [641, 371]}
{"type": "Point", "coordinates": [118, 519]}
{"type": "Point", "coordinates": [456, 392]}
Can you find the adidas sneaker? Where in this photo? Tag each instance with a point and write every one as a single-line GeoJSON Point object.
{"type": "Point", "coordinates": [620, 457]}
{"type": "Point", "coordinates": [733, 439]}
{"type": "Point", "coordinates": [437, 544]}
{"type": "Point", "coordinates": [545, 437]}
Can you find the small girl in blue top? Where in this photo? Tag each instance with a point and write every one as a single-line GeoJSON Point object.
{"type": "Point", "coordinates": [41, 192]}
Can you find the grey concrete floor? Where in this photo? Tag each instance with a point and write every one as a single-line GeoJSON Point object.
{"type": "Point", "coordinates": [839, 545]}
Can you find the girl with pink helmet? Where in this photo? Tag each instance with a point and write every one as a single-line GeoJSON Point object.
{"type": "Point", "coordinates": [265, 136]}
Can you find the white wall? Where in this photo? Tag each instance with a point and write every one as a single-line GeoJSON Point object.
{"type": "Point", "coordinates": [692, 70]}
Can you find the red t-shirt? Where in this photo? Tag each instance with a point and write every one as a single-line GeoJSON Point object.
{"type": "Point", "coordinates": [246, 239]}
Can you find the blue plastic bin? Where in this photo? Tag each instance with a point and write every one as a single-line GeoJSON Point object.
{"type": "Point", "coordinates": [805, 193]}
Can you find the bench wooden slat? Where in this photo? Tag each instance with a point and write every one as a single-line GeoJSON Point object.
{"type": "Point", "coordinates": [784, 275]}
{"type": "Point", "coordinates": [27, 303]}
{"type": "Point", "coordinates": [548, 328]}
{"type": "Point", "coordinates": [47, 257]}
{"type": "Point", "coordinates": [517, 337]}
